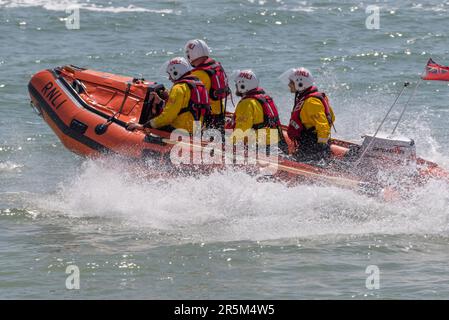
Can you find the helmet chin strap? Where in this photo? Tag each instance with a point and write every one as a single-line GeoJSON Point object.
{"type": "Point", "coordinates": [298, 93]}
{"type": "Point", "coordinates": [238, 93]}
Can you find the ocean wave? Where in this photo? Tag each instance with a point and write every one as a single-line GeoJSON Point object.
{"type": "Point", "coordinates": [442, 7]}
{"type": "Point", "coordinates": [303, 8]}
{"type": "Point", "coordinates": [18, 213]}
{"type": "Point", "coordinates": [10, 166]}
{"type": "Point", "coordinates": [62, 5]}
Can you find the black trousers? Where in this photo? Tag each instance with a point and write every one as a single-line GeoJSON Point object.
{"type": "Point", "coordinates": [309, 149]}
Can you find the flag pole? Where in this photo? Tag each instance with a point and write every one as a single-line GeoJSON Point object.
{"type": "Point", "coordinates": [408, 102]}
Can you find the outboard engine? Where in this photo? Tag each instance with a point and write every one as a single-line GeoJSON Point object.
{"type": "Point", "coordinates": [397, 151]}
{"type": "Point", "coordinates": [389, 160]}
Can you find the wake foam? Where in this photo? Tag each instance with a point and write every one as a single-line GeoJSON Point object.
{"type": "Point", "coordinates": [232, 206]}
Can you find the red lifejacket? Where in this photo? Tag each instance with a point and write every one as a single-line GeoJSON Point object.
{"type": "Point", "coordinates": [270, 111]}
{"type": "Point", "coordinates": [199, 103]}
{"type": "Point", "coordinates": [219, 88]}
{"type": "Point", "coordinates": [296, 126]}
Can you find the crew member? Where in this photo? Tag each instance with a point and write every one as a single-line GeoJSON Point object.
{"type": "Point", "coordinates": [212, 74]}
{"type": "Point", "coordinates": [312, 116]}
{"type": "Point", "coordinates": [187, 103]}
{"type": "Point", "coordinates": [256, 110]}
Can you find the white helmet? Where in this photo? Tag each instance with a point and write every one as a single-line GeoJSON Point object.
{"type": "Point", "coordinates": [301, 77]}
{"type": "Point", "coordinates": [177, 67]}
{"type": "Point", "coordinates": [245, 80]}
{"type": "Point", "coordinates": [195, 49]}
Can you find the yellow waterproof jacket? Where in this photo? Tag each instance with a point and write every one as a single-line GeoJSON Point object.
{"type": "Point", "coordinates": [178, 98]}
{"type": "Point", "coordinates": [205, 79]}
{"type": "Point", "coordinates": [313, 115]}
{"type": "Point", "coordinates": [249, 112]}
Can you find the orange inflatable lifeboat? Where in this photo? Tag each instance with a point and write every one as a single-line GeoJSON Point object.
{"type": "Point", "coordinates": [89, 112]}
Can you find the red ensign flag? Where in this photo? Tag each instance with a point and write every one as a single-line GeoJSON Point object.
{"type": "Point", "coordinates": [434, 71]}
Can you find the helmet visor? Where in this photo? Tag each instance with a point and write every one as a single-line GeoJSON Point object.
{"type": "Point", "coordinates": [285, 78]}
{"type": "Point", "coordinates": [235, 75]}
{"type": "Point", "coordinates": [163, 70]}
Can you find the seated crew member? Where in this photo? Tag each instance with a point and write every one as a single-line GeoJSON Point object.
{"type": "Point", "coordinates": [188, 100]}
{"type": "Point", "coordinates": [256, 110]}
{"type": "Point", "coordinates": [212, 74]}
{"type": "Point", "coordinates": [311, 119]}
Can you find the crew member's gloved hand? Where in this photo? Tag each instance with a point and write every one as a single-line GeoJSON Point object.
{"type": "Point", "coordinates": [283, 146]}
{"type": "Point", "coordinates": [164, 95]}
{"type": "Point", "coordinates": [155, 97]}
{"type": "Point", "coordinates": [134, 126]}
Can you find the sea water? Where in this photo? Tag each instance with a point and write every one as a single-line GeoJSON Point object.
{"type": "Point", "coordinates": [226, 235]}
